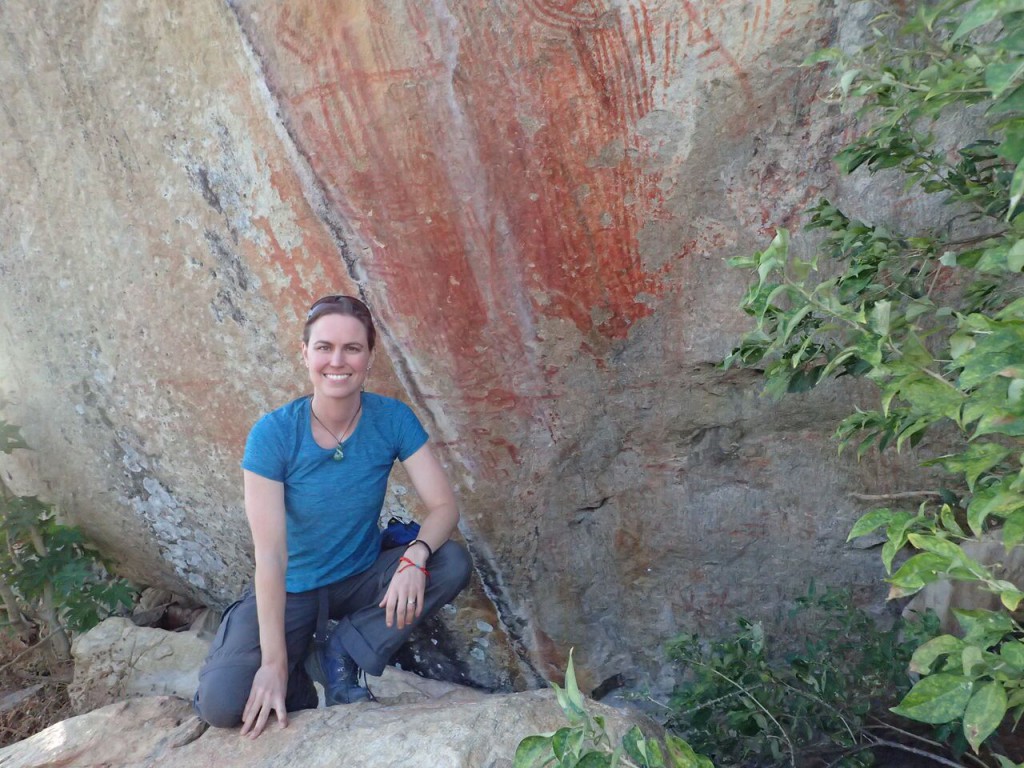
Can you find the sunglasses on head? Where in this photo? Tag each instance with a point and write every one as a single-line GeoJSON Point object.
{"type": "Point", "coordinates": [339, 298]}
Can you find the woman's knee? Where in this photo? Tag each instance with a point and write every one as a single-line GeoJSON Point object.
{"type": "Point", "coordinates": [220, 701]}
{"type": "Point", "coordinates": [453, 563]}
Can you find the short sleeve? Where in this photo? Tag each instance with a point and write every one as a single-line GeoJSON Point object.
{"type": "Point", "coordinates": [264, 450]}
{"type": "Point", "coordinates": [410, 434]}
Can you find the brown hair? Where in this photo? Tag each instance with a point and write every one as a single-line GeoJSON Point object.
{"type": "Point", "coordinates": [341, 305]}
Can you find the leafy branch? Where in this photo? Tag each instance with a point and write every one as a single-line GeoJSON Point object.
{"type": "Point", "coordinates": [934, 318]}
{"type": "Point", "coordinates": [49, 576]}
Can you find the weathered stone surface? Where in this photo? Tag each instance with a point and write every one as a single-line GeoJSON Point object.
{"type": "Point", "coordinates": [537, 199]}
{"type": "Point", "coordinates": [451, 730]}
{"type": "Point", "coordinates": [116, 660]}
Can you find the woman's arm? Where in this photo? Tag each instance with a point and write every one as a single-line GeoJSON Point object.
{"type": "Point", "coordinates": [264, 506]}
{"type": "Point", "coordinates": [431, 483]}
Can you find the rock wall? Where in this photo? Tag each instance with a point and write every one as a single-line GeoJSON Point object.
{"type": "Point", "coordinates": [536, 198]}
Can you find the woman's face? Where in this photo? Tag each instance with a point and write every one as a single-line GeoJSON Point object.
{"type": "Point", "coordinates": [337, 356]}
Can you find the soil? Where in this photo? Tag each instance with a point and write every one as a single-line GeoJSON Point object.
{"type": "Point", "coordinates": [33, 689]}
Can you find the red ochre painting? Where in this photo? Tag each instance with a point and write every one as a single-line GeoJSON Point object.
{"type": "Point", "coordinates": [491, 165]}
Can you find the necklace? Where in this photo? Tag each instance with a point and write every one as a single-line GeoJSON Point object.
{"type": "Point", "coordinates": [338, 453]}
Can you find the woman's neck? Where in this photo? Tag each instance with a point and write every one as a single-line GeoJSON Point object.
{"type": "Point", "coordinates": [336, 413]}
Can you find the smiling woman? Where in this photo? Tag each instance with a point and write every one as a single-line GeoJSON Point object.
{"type": "Point", "coordinates": [315, 474]}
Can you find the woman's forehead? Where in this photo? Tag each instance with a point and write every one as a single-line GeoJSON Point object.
{"type": "Point", "coordinates": [340, 329]}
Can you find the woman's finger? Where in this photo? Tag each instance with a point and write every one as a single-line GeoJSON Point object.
{"type": "Point", "coordinates": [249, 716]}
{"type": "Point", "coordinates": [261, 721]}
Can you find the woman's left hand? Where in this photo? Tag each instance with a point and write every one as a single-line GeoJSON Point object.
{"type": "Point", "coordinates": [403, 602]}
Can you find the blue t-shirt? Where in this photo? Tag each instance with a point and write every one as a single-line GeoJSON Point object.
{"type": "Point", "coordinates": [331, 507]}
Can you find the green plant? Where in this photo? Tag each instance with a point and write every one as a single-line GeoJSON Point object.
{"type": "Point", "coordinates": [47, 570]}
{"type": "Point", "coordinates": [743, 702]}
{"type": "Point", "coordinates": [585, 743]}
{"type": "Point", "coordinates": [935, 318]}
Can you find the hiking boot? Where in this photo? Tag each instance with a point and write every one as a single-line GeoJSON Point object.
{"type": "Point", "coordinates": [331, 666]}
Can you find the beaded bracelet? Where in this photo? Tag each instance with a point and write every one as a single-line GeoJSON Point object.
{"type": "Point", "coordinates": [410, 564]}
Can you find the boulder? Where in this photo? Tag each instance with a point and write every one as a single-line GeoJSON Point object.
{"type": "Point", "coordinates": [116, 660]}
{"type": "Point", "coordinates": [423, 725]}
{"type": "Point", "coordinates": [536, 198]}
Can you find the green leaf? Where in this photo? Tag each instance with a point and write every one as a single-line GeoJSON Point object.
{"type": "Point", "coordinates": [821, 55]}
{"type": "Point", "coordinates": [571, 688]}
{"type": "Point", "coordinates": [970, 659]}
{"type": "Point", "coordinates": [874, 519]}
{"type": "Point", "coordinates": [978, 458]}
{"type": "Point", "coordinates": [984, 628]}
{"type": "Point", "coordinates": [1016, 188]}
{"type": "Point", "coordinates": [682, 755]}
{"type": "Point", "coordinates": [594, 760]}
{"type": "Point", "coordinates": [880, 314]}
{"type": "Point", "coordinates": [1010, 598]}
{"type": "Point", "coordinates": [917, 571]}
{"type": "Point", "coordinates": [936, 699]}
{"type": "Point", "coordinates": [634, 744]}
{"type": "Point", "coordinates": [926, 655]}
{"type": "Point", "coordinates": [983, 12]}
{"type": "Point", "coordinates": [984, 713]}
{"type": "Point", "coordinates": [1015, 257]}
{"type": "Point", "coordinates": [1012, 652]}
{"type": "Point", "coordinates": [1013, 530]}
{"type": "Point", "coordinates": [847, 80]}
{"type": "Point", "coordinates": [794, 320]}
{"type": "Point", "coordinates": [562, 697]}
{"type": "Point", "coordinates": [567, 742]}
{"type": "Point", "coordinates": [948, 520]}
{"type": "Point", "coordinates": [531, 750]}
{"type": "Point", "coordinates": [774, 256]}
{"type": "Point", "coordinates": [1001, 75]}
{"type": "Point", "coordinates": [939, 546]}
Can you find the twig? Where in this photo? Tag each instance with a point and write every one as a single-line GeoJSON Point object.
{"type": "Point", "coordinates": [895, 745]}
{"type": "Point", "coordinates": [712, 702]}
{"type": "Point", "coordinates": [34, 645]}
{"type": "Point", "coordinates": [919, 737]}
{"type": "Point", "coordinates": [900, 495]}
{"type": "Point", "coordinates": [785, 736]}
{"type": "Point", "coordinates": [823, 703]}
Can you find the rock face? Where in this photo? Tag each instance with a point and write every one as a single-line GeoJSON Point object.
{"type": "Point", "coordinates": [473, 730]}
{"type": "Point", "coordinates": [118, 668]}
{"type": "Point", "coordinates": [117, 660]}
{"type": "Point", "coordinates": [536, 198]}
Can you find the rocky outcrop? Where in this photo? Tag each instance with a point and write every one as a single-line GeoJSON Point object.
{"type": "Point", "coordinates": [537, 199]}
{"type": "Point", "coordinates": [119, 666]}
{"type": "Point", "coordinates": [454, 730]}
{"type": "Point", "coordinates": [117, 660]}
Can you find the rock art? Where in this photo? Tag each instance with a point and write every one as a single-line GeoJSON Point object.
{"type": "Point", "coordinates": [536, 198]}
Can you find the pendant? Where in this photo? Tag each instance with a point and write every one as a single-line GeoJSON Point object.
{"type": "Point", "coordinates": [339, 454]}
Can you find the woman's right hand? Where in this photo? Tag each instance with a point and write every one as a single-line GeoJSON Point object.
{"type": "Point", "coordinates": [266, 695]}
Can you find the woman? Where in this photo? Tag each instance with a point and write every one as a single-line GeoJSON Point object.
{"type": "Point", "coordinates": [315, 474]}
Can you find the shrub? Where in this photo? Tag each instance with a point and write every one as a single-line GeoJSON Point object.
{"type": "Point", "coordinates": [935, 318]}
{"type": "Point", "coordinates": [48, 572]}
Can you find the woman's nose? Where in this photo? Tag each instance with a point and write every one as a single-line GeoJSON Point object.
{"type": "Point", "coordinates": [338, 358]}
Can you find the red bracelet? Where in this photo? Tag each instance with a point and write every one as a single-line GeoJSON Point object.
{"type": "Point", "coordinates": [410, 564]}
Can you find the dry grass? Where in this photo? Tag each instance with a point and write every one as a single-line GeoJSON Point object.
{"type": "Point", "coordinates": [33, 689]}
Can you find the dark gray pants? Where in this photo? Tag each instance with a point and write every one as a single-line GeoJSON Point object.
{"type": "Point", "coordinates": [234, 657]}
